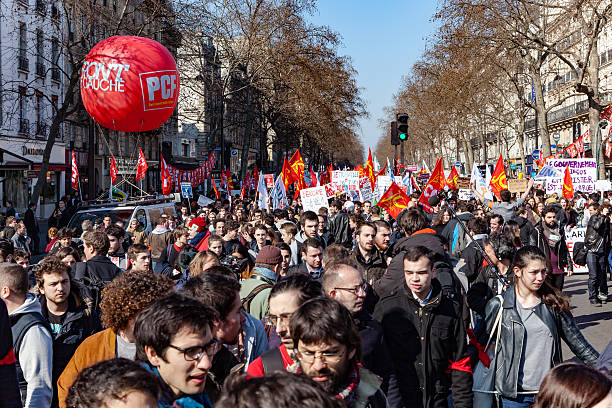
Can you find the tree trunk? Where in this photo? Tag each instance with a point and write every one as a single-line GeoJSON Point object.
{"type": "Point", "coordinates": [520, 135]}
{"type": "Point", "coordinates": [541, 113]}
{"type": "Point", "coordinates": [247, 137]}
{"type": "Point", "coordinates": [54, 132]}
{"type": "Point", "coordinates": [592, 79]}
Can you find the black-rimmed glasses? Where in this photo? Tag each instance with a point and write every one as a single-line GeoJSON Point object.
{"type": "Point", "coordinates": [196, 352]}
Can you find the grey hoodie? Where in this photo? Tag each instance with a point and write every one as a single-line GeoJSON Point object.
{"type": "Point", "coordinates": [36, 358]}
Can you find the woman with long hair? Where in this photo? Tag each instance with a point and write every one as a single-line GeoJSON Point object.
{"type": "Point", "coordinates": [513, 232]}
{"type": "Point", "coordinates": [535, 317]}
{"type": "Point", "coordinates": [572, 385]}
{"type": "Point", "coordinates": [441, 219]}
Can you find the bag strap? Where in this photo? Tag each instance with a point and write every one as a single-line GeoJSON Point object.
{"type": "Point", "coordinates": [497, 323]}
{"type": "Point", "coordinates": [272, 360]}
{"type": "Point", "coordinates": [246, 302]}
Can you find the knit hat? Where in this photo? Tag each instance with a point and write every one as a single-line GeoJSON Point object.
{"type": "Point", "coordinates": [270, 255]}
{"type": "Point", "coordinates": [200, 222]}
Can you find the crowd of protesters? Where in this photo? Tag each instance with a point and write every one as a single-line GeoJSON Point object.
{"type": "Point", "coordinates": [231, 305]}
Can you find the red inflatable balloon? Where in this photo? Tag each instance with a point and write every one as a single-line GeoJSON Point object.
{"type": "Point", "coordinates": [129, 84]}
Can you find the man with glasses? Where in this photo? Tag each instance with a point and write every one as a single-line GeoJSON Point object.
{"type": "Point", "coordinates": [327, 347]}
{"type": "Point", "coordinates": [174, 340]}
{"type": "Point", "coordinates": [344, 283]}
{"type": "Point", "coordinates": [285, 298]}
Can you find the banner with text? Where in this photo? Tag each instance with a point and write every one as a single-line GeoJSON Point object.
{"type": "Point", "coordinates": [582, 171]}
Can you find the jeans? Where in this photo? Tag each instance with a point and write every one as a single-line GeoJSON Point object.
{"type": "Point", "coordinates": [521, 401]}
{"type": "Point", "coordinates": [598, 283]}
{"type": "Point", "coordinates": [556, 280]}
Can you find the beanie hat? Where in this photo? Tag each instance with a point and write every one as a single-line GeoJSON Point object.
{"type": "Point", "coordinates": [200, 222]}
{"type": "Point", "coordinates": [270, 255]}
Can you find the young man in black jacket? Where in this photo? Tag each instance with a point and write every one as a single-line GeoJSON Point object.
{"type": "Point", "coordinates": [70, 316]}
{"type": "Point", "coordinates": [425, 333]}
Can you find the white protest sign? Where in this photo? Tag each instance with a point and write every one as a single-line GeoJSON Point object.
{"type": "Point", "coordinates": [582, 171]}
{"type": "Point", "coordinates": [347, 178]}
{"type": "Point", "coordinates": [314, 198]}
{"type": "Point", "coordinates": [603, 185]}
{"type": "Point", "coordinates": [465, 194]}
{"type": "Point", "coordinates": [278, 194]}
{"type": "Point", "coordinates": [203, 201]}
{"type": "Point", "coordinates": [572, 236]}
{"type": "Point", "coordinates": [365, 190]}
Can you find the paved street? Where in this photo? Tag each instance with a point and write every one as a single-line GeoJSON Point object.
{"type": "Point", "coordinates": [595, 322]}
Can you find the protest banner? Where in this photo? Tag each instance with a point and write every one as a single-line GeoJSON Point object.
{"type": "Point", "coordinates": [463, 183]}
{"type": "Point", "coordinates": [517, 186]}
{"type": "Point", "coordinates": [603, 185]}
{"type": "Point", "coordinates": [365, 190]}
{"type": "Point", "coordinates": [269, 178]}
{"type": "Point", "coordinates": [582, 171]}
{"type": "Point", "coordinates": [465, 194]}
{"type": "Point", "coordinates": [572, 236]}
{"type": "Point", "coordinates": [314, 198]}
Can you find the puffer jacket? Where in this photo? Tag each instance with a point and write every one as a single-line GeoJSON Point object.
{"type": "Point", "coordinates": [510, 349]}
{"type": "Point", "coordinates": [598, 234]}
{"type": "Point", "coordinates": [340, 230]}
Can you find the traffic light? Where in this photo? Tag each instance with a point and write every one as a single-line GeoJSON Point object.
{"type": "Point", "coordinates": [402, 126]}
{"type": "Point", "coordinates": [394, 139]}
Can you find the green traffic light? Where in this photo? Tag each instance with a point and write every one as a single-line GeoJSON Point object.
{"type": "Point", "coordinates": [403, 136]}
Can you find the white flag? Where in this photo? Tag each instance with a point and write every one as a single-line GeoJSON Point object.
{"type": "Point", "coordinates": [263, 193]}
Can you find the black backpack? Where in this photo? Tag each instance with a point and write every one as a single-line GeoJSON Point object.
{"type": "Point", "coordinates": [580, 254]}
{"type": "Point", "coordinates": [92, 284]}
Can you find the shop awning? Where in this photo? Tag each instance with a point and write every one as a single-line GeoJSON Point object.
{"type": "Point", "coordinates": [13, 161]}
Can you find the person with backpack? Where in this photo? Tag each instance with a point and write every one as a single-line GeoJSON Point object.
{"type": "Point", "coordinates": [255, 291]}
{"type": "Point", "coordinates": [32, 339]}
{"type": "Point", "coordinates": [70, 315]}
{"type": "Point", "coordinates": [98, 270]}
{"type": "Point", "coordinates": [159, 239]}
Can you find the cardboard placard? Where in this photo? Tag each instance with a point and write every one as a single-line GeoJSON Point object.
{"type": "Point", "coordinates": [517, 186]}
{"type": "Point", "coordinates": [463, 183]}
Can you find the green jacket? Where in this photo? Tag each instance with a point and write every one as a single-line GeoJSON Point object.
{"type": "Point", "coordinates": [258, 307]}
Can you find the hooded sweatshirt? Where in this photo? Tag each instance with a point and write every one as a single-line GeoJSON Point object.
{"type": "Point", "coordinates": [35, 357]}
{"type": "Point", "coordinates": [159, 239]}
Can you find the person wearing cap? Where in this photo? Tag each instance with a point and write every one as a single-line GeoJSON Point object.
{"type": "Point", "coordinates": [254, 292]}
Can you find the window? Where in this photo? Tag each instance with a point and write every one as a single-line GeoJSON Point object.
{"type": "Point", "coordinates": [23, 41]}
{"type": "Point", "coordinates": [23, 122]}
{"type": "Point", "coordinates": [40, 66]}
{"type": "Point", "coordinates": [185, 148]}
{"type": "Point", "coordinates": [39, 111]}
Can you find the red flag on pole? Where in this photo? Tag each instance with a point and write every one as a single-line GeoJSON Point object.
{"type": "Point", "coordinates": [608, 151]}
{"type": "Point", "coordinates": [141, 167]}
{"type": "Point", "coordinates": [451, 181]}
{"type": "Point", "coordinates": [434, 184]}
{"type": "Point", "coordinates": [313, 179]}
{"type": "Point", "coordinates": [113, 170]}
{"type": "Point", "coordinates": [165, 177]}
{"type": "Point", "coordinates": [568, 187]}
{"type": "Point", "coordinates": [499, 181]}
{"type": "Point", "coordinates": [369, 169]}
{"type": "Point", "coordinates": [286, 173]}
{"type": "Point", "coordinates": [75, 174]}
{"type": "Point", "coordinates": [394, 200]}
{"type": "Point", "coordinates": [215, 189]}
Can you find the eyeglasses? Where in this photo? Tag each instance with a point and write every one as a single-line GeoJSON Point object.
{"type": "Point", "coordinates": [325, 356]}
{"type": "Point", "coordinates": [363, 287]}
{"type": "Point", "coordinates": [272, 320]}
{"type": "Point", "coordinates": [195, 353]}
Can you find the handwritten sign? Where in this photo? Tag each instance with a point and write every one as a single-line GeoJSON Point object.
{"type": "Point", "coordinates": [314, 198]}
{"type": "Point", "coordinates": [463, 183]}
{"type": "Point", "coordinates": [517, 186]}
{"type": "Point", "coordinates": [582, 171]}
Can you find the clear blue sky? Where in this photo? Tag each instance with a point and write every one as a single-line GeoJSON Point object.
{"type": "Point", "coordinates": [384, 38]}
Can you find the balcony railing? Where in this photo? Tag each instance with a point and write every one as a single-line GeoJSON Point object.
{"type": "Point", "coordinates": [23, 64]}
{"type": "Point", "coordinates": [40, 69]}
{"type": "Point", "coordinates": [24, 126]}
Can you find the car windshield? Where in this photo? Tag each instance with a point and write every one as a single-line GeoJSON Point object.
{"type": "Point", "coordinates": [118, 214]}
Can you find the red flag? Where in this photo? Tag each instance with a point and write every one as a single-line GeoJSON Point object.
{"type": "Point", "coordinates": [369, 169]}
{"type": "Point", "coordinates": [255, 178]}
{"type": "Point", "coordinates": [141, 167]}
{"type": "Point", "coordinates": [313, 178]}
{"type": "Point", "coordinates": [361, 170]}
{"type": "Point", "coordinates": [215, 189]}
{"type": "Point", "coordinates": [608, 151]}
{"type": "Point", "coordinates": [75, 174]}
{"type": "Point", "coordinates": [499, 181]}
{"type": "Point", "coordinates": [297, 170]}
{"type": "Point", "coordinates": [113, 170]}
{"type": "Point", "coordinates": [568, 187]}
{"type": "Point", "coordinates": [394, 200]}
{"type": "Point", "coordinates": [243, 191]}
{"type": "Point", "coordinates": [229, 181]}
{"type": "Point", "coordinates": [166, 180]}
{"type": "Point", "coordinates": [434, 184]}
{"type": "Point", "coordinates": [451, 181]}
{"type": "Point", "coordinates": [382, 171]}
{"type": "Point", "coordinates": [286, 173]}
{"type": "Point", "coordinates": [606, 114]}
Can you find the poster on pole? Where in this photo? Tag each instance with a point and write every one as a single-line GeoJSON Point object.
{"type": "Point", "coordinates": [314, 198]}
{"type": "Point", "coordinates": [365, 190]}
{"type": "Point", "coordinates": [572, 236]}
{"type": "Point", "coordinates": [347, 178]}
{"type": "Point", "coordinates": [582, 171]}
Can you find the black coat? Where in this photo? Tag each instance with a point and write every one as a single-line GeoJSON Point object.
{"type": "Point", "coordinates": [394, 275]}
{"type": "Point", "coordinates": [374, 352]}
{"type": "Point", "coordinates": [538, 239]}
{"type": "Point", "coordinates": [340, 230]}
{"type": "Point", "coordinates": [422, 342]}
{"type": "Point", "coordinates": [100, 267]}
{"type": "Point", "coordinates": [526, 229]}
{"type": "Point", "coordinates": [81, 321]}
{"type": "Point", "coordinates": [29, 220]}
{"type": "Point", "coordinates": [597, 237]}
{"type": "Point", "coordinates": [372, 269]}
